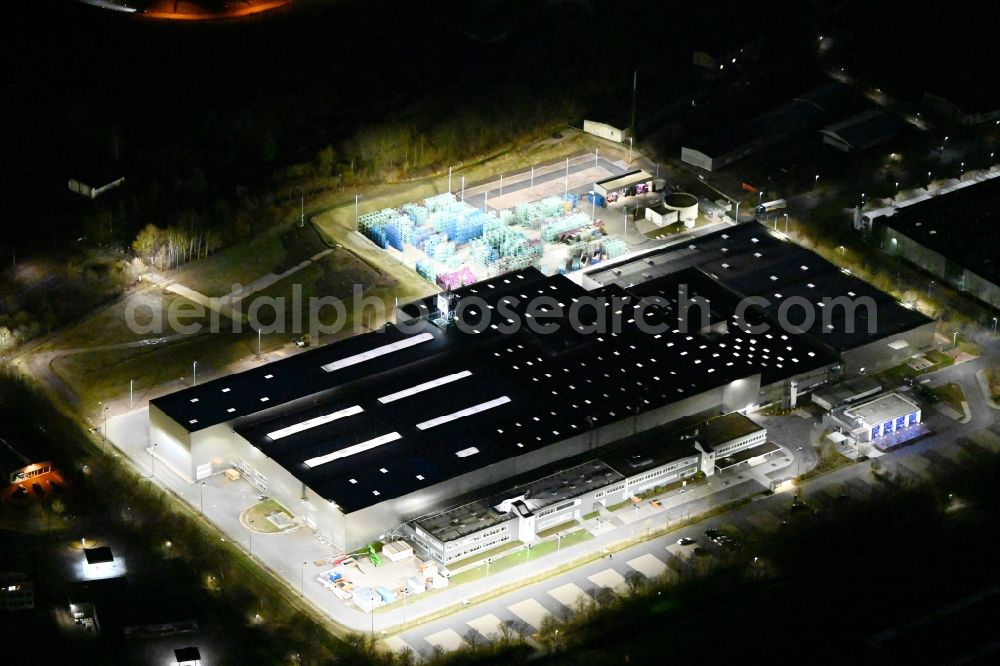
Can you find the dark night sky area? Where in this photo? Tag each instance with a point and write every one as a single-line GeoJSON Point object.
{"type": "Point", "coordinates": [210, 99]}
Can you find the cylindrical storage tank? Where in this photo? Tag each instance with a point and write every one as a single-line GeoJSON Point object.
{"type": "Point", "coordinates": [686, 206]}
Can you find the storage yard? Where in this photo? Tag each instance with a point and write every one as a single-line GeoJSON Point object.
{"type": "Point", "coordinates": [555, 225]}
{"type": "Point", "coordinates": [452, 244]}
{"type": "Point", "coordinates": [370, 581]}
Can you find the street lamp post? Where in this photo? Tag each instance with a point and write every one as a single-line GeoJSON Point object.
{"type": "Point", "coordinates": [994, 325]}
{"type": "Point", "coordinates": [104, 430]}
{"type": "Point", "coordinates": [357, 197]}
{"type": "Point", "coordinates": [131, 382]}
{"type": "Point", "coordinates": [798, 460]}
{"type": "Point", "coordinates": [250, 532]}
{"type": "Point", "coordinates": [815, 181]}
{"type": "Point", "coordinates": [302, 204]}
{"type": "Point", "coordinates": [501, 184]}
{"type": "Point", "coordinates": [786, 224]}
{"type": "Point", "coordinates": [630, 150]}
{"type": "Point", "coordinates": [449, 180]}
{"type": "Point", "coordinates": [152, 461]}
{"type": "Point", "coordinates": [194, 373]}
{"type": "Point", "coordinates": [302, 580]}
{"type": "Point", "coordinates": [531, 186]}
{"type": "Point", "coordinates": [559, 541]}
{"type": "Point", "coordinates": [463, 189]}
{"type": "Point", "coordinates": [566, 184]}
{"type": "Point", "coordinates": [201, 497]}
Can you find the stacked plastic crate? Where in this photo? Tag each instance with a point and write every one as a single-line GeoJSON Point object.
{"type": "Point", "coordinates": [372, 225]}
{"type": "Point", "coordinates": [398, 230]}
{"type": "Point", "coordinates": [555, 226]}
{"type": "Point", "coordinates": [435, 203]}
{"type": "Point", "coordinates": [469, 226]}
{"type": "Point", "coordinates": [528, 215]}
{"type": "Point", "coordinates": [426, 270]}
{"type": "Point", "coordinates": [456, 279]}
{"type": "Point", "coordinates": [614, 247]}
{"type": "Point", "coordinates": [551, 206]}
{"type": "Point", "coordinates": [416, 212]}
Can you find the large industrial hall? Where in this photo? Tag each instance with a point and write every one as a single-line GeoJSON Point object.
{"type": "Point", "coordinates": [360, 436]}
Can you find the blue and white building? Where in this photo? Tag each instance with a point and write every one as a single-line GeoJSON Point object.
{"type": "Point", "coordinates": [885, 415]}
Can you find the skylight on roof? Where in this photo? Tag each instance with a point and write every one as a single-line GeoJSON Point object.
{"type": "Point", "coordinates": [353, 450]}
{"type": "Point", "coordinates": [399, 345]}
{"type": "Point", "coordinates": [315, 422]}
{"type": "Point", "coordinates": [465, 453]}
{"type": "Point", "coordinates": [468, 411]}
{"type": "Point", "coordinates": [425, 386]}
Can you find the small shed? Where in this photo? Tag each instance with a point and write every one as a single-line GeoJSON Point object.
{"type": "Point", "coordinates": [397, 551]}
{"type": "Point", "coordinates": [187, 656]}
{"type": "Point", "coordinates": [660, 215]}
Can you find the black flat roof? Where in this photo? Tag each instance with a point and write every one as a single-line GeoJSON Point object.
{"type": "Point", "coordinates": [187, 654]}
{"type": "Point", "coordinates": [99, 555]}
{"type": "Point", "coordinates": [750, 261]}
{"type": "Point", "coordinates": [960, 225]}
{"type": "Point", "coordinates": [357, 438]}
{"type": "Point", "coordinates": [540, 491]}
{"type": "Point", "coordinates": [799, 113]}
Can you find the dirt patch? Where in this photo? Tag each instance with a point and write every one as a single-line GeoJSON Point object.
{"type": "Point", "coordinates": [300, 243]}
{"type": "Point", "coordinates": [342, 270]}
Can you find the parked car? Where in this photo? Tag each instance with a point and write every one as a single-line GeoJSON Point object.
{"type": "Point", "coordinates": [656, 504]}
{"type": "Point", "coordinates": [797, 505]}
{"type": "Point", "coordinates": [685, 541]}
